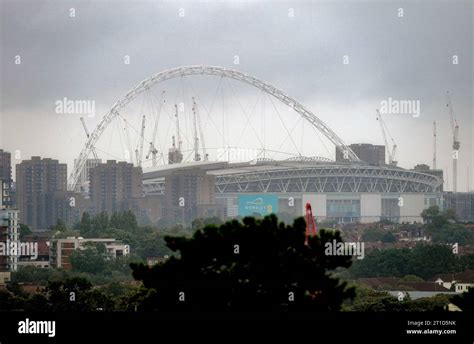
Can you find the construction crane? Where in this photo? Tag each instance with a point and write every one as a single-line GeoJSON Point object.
{"type": "Point", "coordinates": [197, 156]}
{"type": "Point", "coordinates": [175, 155]}
{"type": "Point", "coordinates": [434, 145]}
{"type": "Point", "coordinates": [178, 135]}
{"type": "Point", "coordinates": [392, 152]}
{"type": "Point", "coordinates": [127, 138]}
{"type": "Point", "coordinates": [456, 143]}
{"type": "Point", "coordinates": [201, 133]}
{"type": "Point", "coordinates": [94, 153]}
{"type": "Point", "coordinates": [139, 149]}
{"type": "Point", "coordinates": [152, 150]}
{"type": "Point", "coordinates": [311, 228]}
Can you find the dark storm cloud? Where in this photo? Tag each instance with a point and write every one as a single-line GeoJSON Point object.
{"type": "Point", "coordinates": [82, 58]}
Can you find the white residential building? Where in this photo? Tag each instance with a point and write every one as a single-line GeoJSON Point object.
{"type": "Point", "coordinates": [9, 232]}
{"type": "Point", "coordinates": [61, 249]}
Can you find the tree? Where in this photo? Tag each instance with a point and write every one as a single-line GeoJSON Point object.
{"type": "Point", "coordinates": [10, 302]}
{"type": "Point", "coordinates": [433, 216]}
{"type": "Point", "coordinates": [424, 261]}
{"type": "Point", "coordinates": [85, 225]}
{"type": "Point", "coordinates": [451, 233]}
{"type": "Point", "coordinates": [74, 294]}
{"type": "Point", "coordinates": [124, 220]}
{"type": "Point", "coordinates": [92, 259]}
{"type": "Point", "coordinates": [24, 230]}
{"type": "Point", "coordinates": [388, 237]}
{"type": "Point", "coordinates": [100, 223]}
{"type": "Point", "coordinates": [16, 289]}
{"type": "Point", "coordinates": [115, 220]}
{"type": "Point", "coordinates": [213, 221]}
{"type": "Point", "coordinates": [200, 223]}
{"type": "Point", "coordinates": [32, 274]}
{"type": "Point", "coordinates": [450, 214]}
{"type": "Point", "coordinates": [130, 220]}
{"type": "Point", "coordinates": [375, 235]}
{"type": "Point", "coordinates": [254, 265]}
{"type": "Point", "coordinates": [371, 235]}
{"type": "Point", "coordinates": [369, 300]}
{"type": "Point", "coordinates": [60, 226]}
{"type": "Point", "coordinates": [382, 263]}
{"type": "Point", "coordinates": [385, 222]}
{"type": "Point", "coordinates": [412, 278]}
{"type": "Point", "coordinates": [197, 224]}
{"type": "Point", "coordinates": [465, 301]}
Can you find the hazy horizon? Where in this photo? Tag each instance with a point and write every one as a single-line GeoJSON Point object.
{"type": "Point", "coordinates": [297, 46]}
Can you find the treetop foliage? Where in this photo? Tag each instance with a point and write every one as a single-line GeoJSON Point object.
{"type": "Point", "coordinates": [257, 264]}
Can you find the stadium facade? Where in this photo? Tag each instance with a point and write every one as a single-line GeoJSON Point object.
{"type": "Point", "coordinates": [338, 191]}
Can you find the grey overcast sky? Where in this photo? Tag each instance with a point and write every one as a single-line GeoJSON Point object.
{"type": "Point", "coordinates": [406, 58]}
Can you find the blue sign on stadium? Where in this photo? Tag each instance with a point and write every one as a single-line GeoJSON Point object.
{"type": "Point", "coordinates": [260, 204]}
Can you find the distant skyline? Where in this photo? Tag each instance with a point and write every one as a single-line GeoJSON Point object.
{"type": "Point", "coordinates": [299, 47]}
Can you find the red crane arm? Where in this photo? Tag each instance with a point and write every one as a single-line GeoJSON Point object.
{"type": "Point", "coordinates": [311, 228]}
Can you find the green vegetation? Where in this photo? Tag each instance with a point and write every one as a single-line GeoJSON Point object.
{"type": "Point", "coordinates": [435, 218]}
{"type": "Point", "coordinates": [144, 241]}
{"type": "Point", "coordinates": [93, 259]}
{"type": "Point", "coordinates": [442, 227]}
{"type": "Point", "coordinates": [68, 294]}
{"type": "Point", "coordinates": [24, 230]}
{"type": "Point", "coordinates": [375, 235]}
{"type": "Point", "coordinates": [115, 271]}
{"type": "Point", "coordinates": [258, 265]}
{"type": "Point", "coordinates": [60, 226]}
{"type": "Point", "coordinates": [412, 278]}
{"type": "Point", "coordinates": [465, 301]}
{"type": "Point", "coordinates": [368, 300]}
{"type": "Point", "coordinates": [452, 233]}
{"type": "Point", "coordinates": [423, 261]}
{"type": "Point", "coordinates": [267, 270]}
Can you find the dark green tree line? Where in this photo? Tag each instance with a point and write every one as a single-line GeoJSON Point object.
{"type": "Point", "coordinates": [257, 265]}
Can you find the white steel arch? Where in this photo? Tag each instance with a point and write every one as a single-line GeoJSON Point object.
{"type": "Point", "coordinates": [203, 70]}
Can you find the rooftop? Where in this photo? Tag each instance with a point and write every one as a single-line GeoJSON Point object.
{"type": "Point", "coordinates": [463, 277]}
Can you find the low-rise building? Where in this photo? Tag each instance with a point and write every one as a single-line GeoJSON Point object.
{"type": "Point", "coordinates": [42, 241]}
{"type": "Point", "coordinates": [399, 288]}
{"type": "Point", "coordinates": [61, 249]}
{"type": "Point", "coordinates": [5, 277]}
{"type": "Point", "coordinates": [460, 282]}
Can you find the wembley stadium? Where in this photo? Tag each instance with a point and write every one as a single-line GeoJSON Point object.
{"type": "Point", "coordinates": [344, 192]}
{"type": "Point", "coordinates": [357, 186]}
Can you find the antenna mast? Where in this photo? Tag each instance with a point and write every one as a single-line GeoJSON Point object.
{"type": "Point", "coordinates": [139, 150]}
{"type": "Point", "coordinates": [456, 143]}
